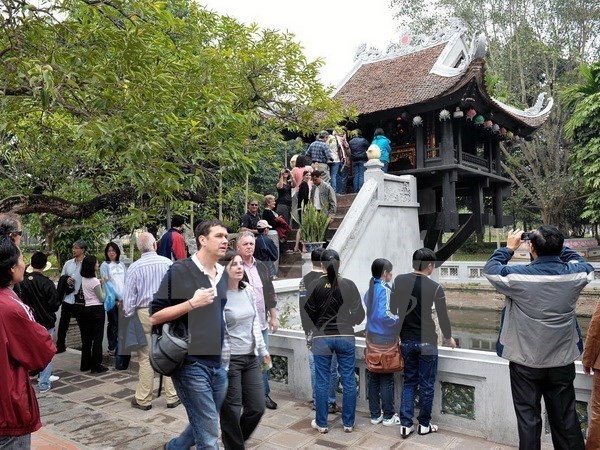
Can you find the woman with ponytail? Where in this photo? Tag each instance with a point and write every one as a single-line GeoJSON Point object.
{"type": "Point", "coordinates": [383, 328]}
{"type": "Point", "coordinates": [25, 346]}
{"type": "Point", "coordinates": [334, 307]}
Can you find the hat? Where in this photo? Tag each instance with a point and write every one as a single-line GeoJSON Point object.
{"type": "Point", "coordinates": [46, 267]}
{"type": "Point", "coordinates": [263, 224]}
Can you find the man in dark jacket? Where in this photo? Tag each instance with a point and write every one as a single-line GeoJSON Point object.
{"type": "Point", "coordinates": [172, 244]}
{"type": "Point", "coordinates": [257, 275]}
{"type": "Point", "coordinates": [358, 148]}
{"type": "Point", "coordinates": [265, 249]}
{"type": "Point", "coordinates": [39, 293]}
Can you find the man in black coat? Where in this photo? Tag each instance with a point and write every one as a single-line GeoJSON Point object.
{"type": "Point", "coordinates": [358, 147]}
{"type": "Point", "coordinates": [39, 293]}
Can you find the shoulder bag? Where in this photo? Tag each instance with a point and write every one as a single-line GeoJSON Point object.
{"type": "Point", "coordinates": [168, 349]}
{"type": "Point", "coordinates": [383, 358]}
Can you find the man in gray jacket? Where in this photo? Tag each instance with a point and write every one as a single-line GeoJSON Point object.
{"type": "Point", "coordinates": [322, 194]}
{"type": "Point", "coordinates": [539, 333]}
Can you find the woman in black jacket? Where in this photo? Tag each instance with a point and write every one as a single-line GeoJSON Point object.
{"type": "Point", "coordinates": [334, 306]}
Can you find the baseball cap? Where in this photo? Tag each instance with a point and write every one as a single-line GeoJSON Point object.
{"type": "Point", "coordinates": [263, 224]}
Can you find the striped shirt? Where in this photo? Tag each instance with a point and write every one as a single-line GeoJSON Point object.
{"type": "Point", "coordinates": [143, 279]}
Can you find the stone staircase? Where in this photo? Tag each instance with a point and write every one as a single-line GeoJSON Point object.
{"type": "Point", "coordinates": [290, 264]}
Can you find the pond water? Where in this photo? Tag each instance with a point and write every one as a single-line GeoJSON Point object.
{"type": "Point", "coordinates": [478, 329]}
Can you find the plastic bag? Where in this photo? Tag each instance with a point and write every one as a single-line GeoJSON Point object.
{"type": "Point", "coordinates": [109, 300]}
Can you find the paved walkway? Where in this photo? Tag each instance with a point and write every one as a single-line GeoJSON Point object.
{"type": "Point", "coordinates": [84, 411]}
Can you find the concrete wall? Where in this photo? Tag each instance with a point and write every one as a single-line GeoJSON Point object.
{"type": "Point", "coordinates": [494, 417]}
{"type": "Point", "coordinates": [382, 222]}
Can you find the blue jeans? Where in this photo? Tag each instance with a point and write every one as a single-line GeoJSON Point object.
{"type": "Point", "coordinates": [342, 180]}
{"type": "Point", "coordinates": [333, 380]}
{"type": "Point", "coordinates": [44, 376]}
{"type": "Point", "coordinates": [359, 175]}
{"type": "Point", "coordinates": [386, 165]}
{"type": "Point", "coordinates": [323, 349]}
{"type": "Point", "coordinates": [202, 390]}
{"type": "Point", "coordinates": [22, 442]}
{"type": "Point", "coordinates": [420, 369]}
{"type": "Point", "coordinates": [265, 375]}
{"type": "Point", "coordinates": [381, 394]}
{"type": "Point", "coordinates": [335, 170]}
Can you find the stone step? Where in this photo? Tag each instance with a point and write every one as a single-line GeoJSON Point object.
{"type": "Point", "coordinates": [345, 200]}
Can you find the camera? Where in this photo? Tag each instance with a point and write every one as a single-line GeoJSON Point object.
{"type": "Point", "coordinates": [527, 235]}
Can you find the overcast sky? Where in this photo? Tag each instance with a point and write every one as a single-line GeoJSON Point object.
{"type": "Point", "coordinates": [330, 29]}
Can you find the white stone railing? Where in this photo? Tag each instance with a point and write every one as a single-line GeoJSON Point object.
{"type": "Point", "coordinates": [482, 376]}
{"type": "Point", "coordinates": [467, 272]}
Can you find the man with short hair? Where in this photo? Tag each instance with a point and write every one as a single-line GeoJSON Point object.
{"type": "Point", "coordinates": [39, 293]}
{"type": "Point", "coordinates": [172, 243]}
{"type": "Point", "coordinates": [358, 149]}
{"type": "Point", "coordinates": [72, 270]}
{"type": "Point", "coordinates": [257, 275]}
{"type": "Point", "coordinates": [193, 295]}
{"type": "Point", "coordinates": [320, 154]}
{"type": "Point", "coordinates": [539, 333]}
{"type": "Point", "coordinates": [322, 194]}
{"type": "Point", "coordinates": [250, 220]}
{"type": "Point", "coordinates": [143, 279]}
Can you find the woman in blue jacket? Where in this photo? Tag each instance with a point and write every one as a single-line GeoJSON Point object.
{"type": "Point", "coordinates": [382, 329]}
{"type": "Point", "coordinates": [383, 143]}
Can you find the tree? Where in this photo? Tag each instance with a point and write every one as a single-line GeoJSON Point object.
{"type": "Point", "coordinates": [583, 128]}
{"type": "Point", "coordinates": [124, 106]}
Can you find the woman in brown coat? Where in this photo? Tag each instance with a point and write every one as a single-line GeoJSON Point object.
{"type": "Point", "coordinates": [591, 361]}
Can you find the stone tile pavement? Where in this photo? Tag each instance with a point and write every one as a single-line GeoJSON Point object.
{"type": "Point", "coordinates": [85, 411]}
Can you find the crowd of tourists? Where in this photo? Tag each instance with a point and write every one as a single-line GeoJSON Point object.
{"type": "Point", "coordinates": [224, 301]}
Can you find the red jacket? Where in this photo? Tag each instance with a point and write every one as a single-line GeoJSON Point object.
{"type": "Point", "coordinates": [24, 346]}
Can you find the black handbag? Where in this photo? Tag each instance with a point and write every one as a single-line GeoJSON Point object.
{"type": "Point", "coordinates": [79, 298]}
{"type": "Point", "coordinates": [168, 349]}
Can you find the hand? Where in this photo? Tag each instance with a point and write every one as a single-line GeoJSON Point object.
{"type": "Point", "coordinates": [203, 297]}
{"type": "Point", "coordinates": [70, 281]}
{"type": "Point", "coordinates": [273, 324]}
{"type": "Point", "coordinates": [451, 342]}
{"type": "Point", "coordinates": [513, 241]}
{"type": "Point", "coordinates": [588, 370]}
{"type": "Point", "coordinates": [105, 277]}
{"type": "Point", "coordinates": [267, 359]}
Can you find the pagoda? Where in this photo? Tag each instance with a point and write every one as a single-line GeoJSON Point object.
{"type": "Point", "coordinates": [430, 98]}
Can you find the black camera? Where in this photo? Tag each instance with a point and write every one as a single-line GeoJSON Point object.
{"type": "Point", "coordinates": [527, 235]}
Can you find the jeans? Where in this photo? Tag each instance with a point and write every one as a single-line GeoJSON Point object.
{"type": "Point", "coordinates": [359, 175]}
{"type": "Point", "coordinates": [342, 179]}
{"type": "Point", "coordinates": [112, 329]}
{"type": "Point", "coordinates": [386, 165]}
{"type": "Point", "coordinates": [44, 376]}
{"type": "Point", "coordinates": [420, 369]}
{"type": "Point", "coordinates": [335, 170]}
{"type": "Point", "coordinates": [334, 379]}
{"type": "Point", "coordinates": [555, 384]}
{"type": "Point", "coordinates": [22, 442]}
{"type": "Point", "coordinates": [245, 391]}
{"type": "Point", "coordinates": [381, 394]}
{"type": "Point", "coordinates": [202, 390]}
{"type": "Point", "coordinates": [91, 325]}
{"type": "Point", "coordinates": [265, 375]}
{"type": "Point", "coordinates": [323, 349]}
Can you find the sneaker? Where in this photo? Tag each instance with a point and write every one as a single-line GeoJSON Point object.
{"type": "Point", "coordinates": [334, 409]}
{"type": "Point", "coordinates": [53, 378]}
{"type": "Point", "coordinates": [136, 405]}
{"type": "Point", "coordinates": [406, 431]}
{"type": "Point", "coordinates": [321, 430]}
{"type": "Point", "coordinates": [427, 429]}
{"type": "Point", "coordinates": [377, 420]}
{"type": "Point", "coordinates": [175, 404]}
{"type": "Point", "coordinates": [392, 421]}
{"type": "Point", "coordinates": [43, 391]}
{"type": "Point", "coordinates": [348, 429]}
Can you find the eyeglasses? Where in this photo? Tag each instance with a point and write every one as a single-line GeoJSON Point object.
{"type": "Point", "coordinates": [18, 233]}
{"type": "Point", "coordinates": [253, 204]}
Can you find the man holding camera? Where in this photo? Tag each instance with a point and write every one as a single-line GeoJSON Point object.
{"type": "Point", "coordinates": [539, 333]}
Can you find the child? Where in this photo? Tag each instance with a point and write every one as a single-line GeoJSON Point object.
{"type": "Point", "coordinates": [382, 329]}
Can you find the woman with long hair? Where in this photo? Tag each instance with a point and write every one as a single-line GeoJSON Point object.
{"type": "Point", "coordinates": [91, 319]}
{"type": "Point", "coordinates": [113, 271]}
{"type": "Point", "coordinates": [245, 402]}
{"type": "Point", "coordinates": [302, 198]}
{"type": "Point", "coordinates": [334, 306]}
{"type": "Point", "coordinates": [383, 328]}
{"type": "Point", "coordinates": [285, 185]}
{"type": "Point", "coordinates": [25, 346]}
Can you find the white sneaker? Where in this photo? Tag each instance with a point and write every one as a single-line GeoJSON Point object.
{"type": "Point", "coordinates": [392, 421]}
{"type": "Point", "coordinates": [431, 428]}
{"type": "Point", "coordinates": [348, 429]}
{"type": "Point", "coordinates": [321, 430]}
{"type": "Point", "coordinates": [377, 420]}
{"type": "Point", "coordinates": [53, 378]}
{"type": "Point", "coordinates": [43, 391]}
{"type": "Point", "coordinates": [406, 431]}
